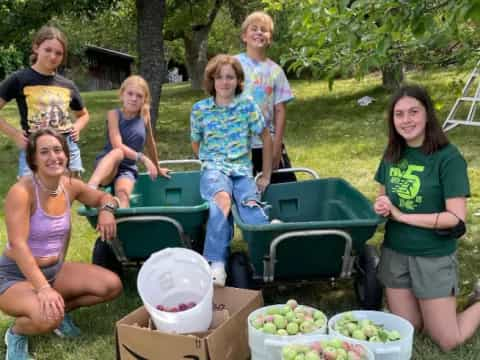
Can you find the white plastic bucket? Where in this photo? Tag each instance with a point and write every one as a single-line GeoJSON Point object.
{"type": "Point", "coordinates": [310, 339]}
{"type": "Point", "coordinates": [173, 276]}
{"type": "Point", "coordinates": [269, 346]}
{"type": "Point", "coordinates": [393, 350]}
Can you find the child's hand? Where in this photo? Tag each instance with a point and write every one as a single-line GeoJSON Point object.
{"type": "Point", "coordinates": [75, 133]}
{"type": "Point", "coordinates": [262, 183]}
{"type": "Point", "coordinates": [164, 172]}
{"type": "Point", "coordinates": [21, 140]}
{"type": "Point", "coordinates": [382, 206]}
{"type": "Point", "coordinates": [151, 168]}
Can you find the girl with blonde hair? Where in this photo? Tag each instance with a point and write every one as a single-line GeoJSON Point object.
{"type": "Point", "coordinates": [129, 131]}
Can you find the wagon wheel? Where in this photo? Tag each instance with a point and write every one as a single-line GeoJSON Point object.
{"type": "Point", "coordinates": [104, 256]}
{"type": "Point", "coordinates": [239, 272]}
{"type": "Point", "coordinates": [368, 289]}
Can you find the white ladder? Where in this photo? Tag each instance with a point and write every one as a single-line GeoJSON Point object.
{"type": "Point", "coordinates": [472, 82]}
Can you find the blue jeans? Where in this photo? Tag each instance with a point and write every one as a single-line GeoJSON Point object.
{"type": "Point", "coordinates": [241, 189]}
{"type": "Point", "coordinates": [75, 159]}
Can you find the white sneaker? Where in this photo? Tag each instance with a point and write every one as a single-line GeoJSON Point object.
{"type": "Point", "coordinates": [218, 274]}
{"type": "Point", "coordinates": [276, 221]}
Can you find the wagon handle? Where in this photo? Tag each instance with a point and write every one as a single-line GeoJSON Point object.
{"type": "Point", "coordinates": [312, 172]}
{"type": "Point", "coordinates": [269, 262]}
{"type": "Point", "coordinates": [180, 161]}
{"type": "Point", "coordinates": [117, 244]}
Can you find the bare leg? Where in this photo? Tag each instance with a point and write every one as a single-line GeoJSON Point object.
{"type": "Point", "coordinates": [123, 190]}
{"type": "Point", "coordinates": [106, 169]}
{"type": "Point", "coordinates": [402, 302]}
{"type": "Point", "coordinates": [224, 202]}
{"type": "Point", "coordinates": [444, 326]}
{"type": "Point", "coordinates": [21, 302]}
{"type": "Point", "coordinates": [86, 285]}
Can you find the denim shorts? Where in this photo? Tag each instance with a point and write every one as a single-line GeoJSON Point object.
{"type": "Point", "coordinates": [125, 169]}
{"type": "Point", "coordinates": [427, 277]}
{"type": "Point", "coordinates": [128, 173]}
{"type": "Point", "coordinates": [11, 274]}
{"type": "Point", "coordinates": [75, 159]}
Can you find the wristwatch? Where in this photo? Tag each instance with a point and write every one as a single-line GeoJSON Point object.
{"type": "Point", "coordinates": [109, 206]}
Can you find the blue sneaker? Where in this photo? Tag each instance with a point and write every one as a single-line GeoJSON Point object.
{"type": "Point", "coordinates": [67, 329]}
{"type": "Point", "coordinates": [17, 346]}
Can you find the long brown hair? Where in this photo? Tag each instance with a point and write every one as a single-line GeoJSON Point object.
{"type": "Point", "coordinates": [435, 138]}
{"type": "Point", "coordinates": [48, 32]}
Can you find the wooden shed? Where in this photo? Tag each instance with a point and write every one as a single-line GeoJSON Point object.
{"type": "Point", "coordinates": [107, 68]}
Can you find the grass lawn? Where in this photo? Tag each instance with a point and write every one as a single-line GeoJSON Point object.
{"type": "Point", "coordinates": [326, 131]}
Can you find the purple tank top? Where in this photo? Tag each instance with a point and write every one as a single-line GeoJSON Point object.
{"type": "Point", "coordinates": [48, 233]}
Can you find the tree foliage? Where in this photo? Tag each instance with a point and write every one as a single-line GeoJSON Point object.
{"type": "Point", "coordinates": [21, 18]}
{"type": "Point", "coordinates": [113, 28]}
{"type": "Point", "coordinates": [10, 60]}
{"type": "Point", "coordinates": [331, 38]}
{"type": "Point", "coordinates": [193, 21]}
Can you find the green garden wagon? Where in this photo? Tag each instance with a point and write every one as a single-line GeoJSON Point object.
{"type": "Point", "coordinates": [163, 213]}
{"type": "Point", "coordinates": [320, 230]}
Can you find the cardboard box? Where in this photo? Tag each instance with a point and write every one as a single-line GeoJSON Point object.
{"type": "Point", "coordinates": [227, 338]}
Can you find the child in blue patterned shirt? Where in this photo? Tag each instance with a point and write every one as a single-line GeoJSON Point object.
{"type": "Point", "coordinates": [221, 128]}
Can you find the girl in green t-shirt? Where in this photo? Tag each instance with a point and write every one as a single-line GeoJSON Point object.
{"type": "Point", "coordinates": [423, 193]}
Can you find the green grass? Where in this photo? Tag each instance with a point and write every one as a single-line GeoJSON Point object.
{"type": "Point", "coordinates": [326, 131]}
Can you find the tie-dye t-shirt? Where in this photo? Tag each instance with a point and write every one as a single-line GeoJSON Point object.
{"type": "Point", "coordinates": [224, 134]}
{"type": "Point", "coordinates": [267, 84]}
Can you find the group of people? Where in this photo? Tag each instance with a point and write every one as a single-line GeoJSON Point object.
{"type": "Point", "coordinates": [236, 132]}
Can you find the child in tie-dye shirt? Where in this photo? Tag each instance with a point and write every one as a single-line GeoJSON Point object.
{"type": "Point", "coordinates": [221, 130]}
{"type": "Point", "coordinates": [267, 84]}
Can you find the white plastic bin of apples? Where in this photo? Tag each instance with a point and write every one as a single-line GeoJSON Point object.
{"type": "Point", "coordinates": [176, 288]}
{"type": "Point", "coordinates": [266, 343]}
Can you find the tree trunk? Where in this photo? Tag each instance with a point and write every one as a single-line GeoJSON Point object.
{"type": "Point", "coordinates": [196, 55]}
{"type": "Point", "coordinates": [150, 16]}
{"type": "Point", "coordinates": [196, 47]}
{"type": "Point", "coordinates": [392, 76]}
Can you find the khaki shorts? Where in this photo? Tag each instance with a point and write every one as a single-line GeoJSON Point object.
{"type": "Point", "coordinates": [427, 277]}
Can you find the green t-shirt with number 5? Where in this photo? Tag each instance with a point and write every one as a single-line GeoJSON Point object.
{"type": "Point", "coordinates": [420, 184]}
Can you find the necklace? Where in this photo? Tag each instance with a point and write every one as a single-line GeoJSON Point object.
{"type": "Point", "coordinates": [51, 192]}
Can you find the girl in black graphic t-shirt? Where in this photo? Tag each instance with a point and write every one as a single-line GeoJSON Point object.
{"type": "Point", "coordinates": [45, 98]}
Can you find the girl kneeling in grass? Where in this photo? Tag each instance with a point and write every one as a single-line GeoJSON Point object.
{"type": "Point", "coordinates": [129, 129]}
{"type": "Point", "coordinates": [423, 193]}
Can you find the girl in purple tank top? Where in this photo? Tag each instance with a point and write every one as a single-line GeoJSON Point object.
{"type": "Point", "coordinates": [36, 285]}
{"type": "Point", "coordinates": [129, 129]}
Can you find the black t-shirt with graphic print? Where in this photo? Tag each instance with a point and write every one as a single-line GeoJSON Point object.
{"type": "Point", "coordinates": [42, 100]}
{"type": "Point", "coordinates": [420, 184]}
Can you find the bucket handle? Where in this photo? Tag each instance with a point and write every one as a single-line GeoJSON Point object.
{"type": "Point", "coordinates": [389, 350]}
{"type": "Point", "coordinates": [312, 172]}
{"type": "Point", "coordinates": [269, 261]}
{"type": "Point", "coordinates": [180, 161]}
